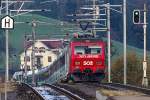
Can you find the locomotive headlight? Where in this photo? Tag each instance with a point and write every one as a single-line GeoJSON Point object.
{"type": "Point", "coordinates": [98, 63]}
{"type": "Point", "coordinates": [77, 63]}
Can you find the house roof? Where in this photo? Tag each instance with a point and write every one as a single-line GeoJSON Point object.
{"type": "Point", "coordinates": [51, 44]}
{"type": "Point", "coordinates": [28, 44]}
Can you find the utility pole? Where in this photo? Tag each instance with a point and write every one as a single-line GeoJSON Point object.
{"type": "Point", "coordinates": [33, 52]}
{"type": "Point", "coordinates": [108, 43]}
{"type": "Point", "coordinates": [109, 37]}
{"type": "Point", "coordinates": [125, 41]}
{"type": "Point", "coordinates": [25, 59]}
{"type": "Point", "coordinates": [94, 17]}
{"type": "Point", "coordinates": [7, 55]}
{"type": "Point", "coordinates": [145, 79]}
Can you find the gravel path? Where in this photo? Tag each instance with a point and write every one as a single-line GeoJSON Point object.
{"type": "Point", "coordinates": [144, 97]}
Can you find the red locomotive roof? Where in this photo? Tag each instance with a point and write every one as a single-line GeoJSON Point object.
{"type": "Point", "coordinates": [88, 42]}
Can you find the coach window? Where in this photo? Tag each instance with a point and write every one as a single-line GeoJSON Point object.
{"type": "Point", "coordinates": [49, 59]}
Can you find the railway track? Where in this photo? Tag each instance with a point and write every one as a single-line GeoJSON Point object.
{"type": "Point", "coordinates": [50, 93]}
{"type": "Point", "coordinates": [45, 92]}
{"type": "Point", "coordinates": [77, 91]}
{"type": "Point", "coordinates": [87, 93]}
{"type": "Point", "coordinates": [27, 92]}
{"type": "Point", "coordinates": [66, 92]}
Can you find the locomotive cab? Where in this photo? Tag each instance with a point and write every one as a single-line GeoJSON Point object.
{"type": "Point", "coordinates": [87, 59]}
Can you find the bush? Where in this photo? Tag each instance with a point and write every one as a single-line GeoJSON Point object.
{"type": "Point", "coordinates": [134, 69]}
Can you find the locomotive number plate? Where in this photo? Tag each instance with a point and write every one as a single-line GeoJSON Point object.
{"type": "Point", "coordinates": [88, 63]}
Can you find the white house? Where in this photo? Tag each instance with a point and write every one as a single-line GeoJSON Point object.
{"type": "Point", "coordinates": [46, 52]}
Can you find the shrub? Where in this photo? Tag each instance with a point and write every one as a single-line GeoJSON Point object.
{"type": "Point", "coordinates": [134, 69]}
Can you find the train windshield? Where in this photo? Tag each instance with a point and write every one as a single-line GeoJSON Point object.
{"type": "Point", "coordinates": [87, 50]}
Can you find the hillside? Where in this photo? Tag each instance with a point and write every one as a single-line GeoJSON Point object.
{"type": "Point", "coordinates": [118, 50]}
{"type": "Point", "coordinates": [49, 30]}
{"type": "Point", "coordinates": [62, 8]}
{"type": "Point", "coordinates": [46, 28]}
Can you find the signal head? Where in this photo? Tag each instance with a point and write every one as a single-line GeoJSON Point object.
{"type": "Point", "coordinates": [136, 16]}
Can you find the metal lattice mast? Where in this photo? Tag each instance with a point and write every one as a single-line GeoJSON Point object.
{"type": "Point", "coordinates": [94, 17]}
{"type": "Point", "coordinates": [25, 52]}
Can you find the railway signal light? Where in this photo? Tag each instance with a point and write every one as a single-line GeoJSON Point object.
{"type": "Point", "coordinates": [136, 16]}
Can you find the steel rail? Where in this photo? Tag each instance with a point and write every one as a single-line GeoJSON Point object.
{"type": "Point", "coordinates": [65, 92]}
{"type": "Point", "coordinates": [33, 90]}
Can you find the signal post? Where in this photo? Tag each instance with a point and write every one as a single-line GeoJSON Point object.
{"type": "Point", "coordinates": [137, 20]}
{"type": "Point", "coordinates": [7, 23]}
{"type": "Point", "coordinates": [145, 79]}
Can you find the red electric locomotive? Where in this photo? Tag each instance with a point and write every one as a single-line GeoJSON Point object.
{"type": "Point", "coordinates": [87, 59]}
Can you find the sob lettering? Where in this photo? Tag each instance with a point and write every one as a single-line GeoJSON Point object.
{"type": "Point", "coordinates": [88, 63]}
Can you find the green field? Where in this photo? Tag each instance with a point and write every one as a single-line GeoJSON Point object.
{"type": "Point", "coordinates": [119, 50]}
{"type": "Point", "coordinates": [46, 28]}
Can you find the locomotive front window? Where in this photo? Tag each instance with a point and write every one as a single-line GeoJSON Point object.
{"type": "Point", "coordinates": [79, 50]}
{"type": "Point", "coordinates": [95, 49]}
{"type": "Point", "coordinates": [87, 50]}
